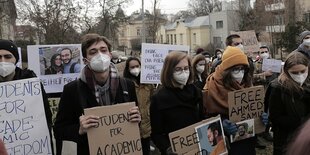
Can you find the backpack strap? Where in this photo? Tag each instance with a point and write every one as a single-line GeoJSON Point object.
{"type": "Point", "coordinates": [72, 67]}
{"type": "Point", "coordinates": [125, 89]}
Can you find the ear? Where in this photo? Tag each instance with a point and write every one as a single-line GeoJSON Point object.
{"type": "Point", "coordinates": [216, 133]}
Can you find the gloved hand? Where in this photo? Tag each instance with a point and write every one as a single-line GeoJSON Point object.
{"type": "Point", "coordinates": [229, 127]}
{"type": "Point", "coordinates": [170, 152]}
{"type": "Point", "coordinates": [264, 118]}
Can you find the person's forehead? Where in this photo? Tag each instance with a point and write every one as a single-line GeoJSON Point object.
{"type": "Point", "coordinates": [65, 51]}
{"type": "Point", "coordinates": [98, 44]}
{"type": "Point", "coordinates": [264, 49]}
{"type": "Point", "coordinates": [5, 52]}
{"type": "Point", "coordinates": [237, 40]}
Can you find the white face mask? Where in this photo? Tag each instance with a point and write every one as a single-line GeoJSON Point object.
{"type": "Point", "coordinates": [181, 78]}
{"type": "Point", "coordinates": [264, 55]}
{"type": "Point", "coordinates": [306, 42]}
{"type": "Point", "coordinates": [238, 76]}
{"type": "Point", "coordinates": [100, 62]}
{"type": "Point", "coordinates": [6, 68]}
{"type": "Point", "coordinates": [299, 78]}
{"type": "Point", "coordinates": [135, 71]}
{"type": "Point", "coordinates": [219, 56]}
{"type": "Point", "coordinates": [207, 60]}
{"type": "Point", "coordinates": [200, 69]}
{"type": "Point", "coordinates": [240, 46]}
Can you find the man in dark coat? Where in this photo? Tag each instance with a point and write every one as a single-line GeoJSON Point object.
{"type": "Point", "coordinates": [98, 85]}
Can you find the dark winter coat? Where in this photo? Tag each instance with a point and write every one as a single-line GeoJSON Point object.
{"type": "Point", "coordinates": [172, 109]}
{"type": "Point", "coordinates": [287, 112]}
{"type": "Point", "coordinates": [75, 98]}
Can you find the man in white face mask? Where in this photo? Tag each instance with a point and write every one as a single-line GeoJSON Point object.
{"type": "Point", "coordinates": [304, 46]}
{"type": "Point", "coordinates": [9, 72]}
{"type": "Point", "coordinates": [98, 85]}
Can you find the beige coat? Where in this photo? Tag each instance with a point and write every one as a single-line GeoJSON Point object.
{"type": "Point", "coordinates": [144, 93]}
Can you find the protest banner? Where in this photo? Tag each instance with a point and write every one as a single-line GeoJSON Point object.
{"type": "Point", "coordinates": [185, 140]}
{"type": "Point", "coordinates": [114, 134]}
{"type": "Point", "coordinates": [43, 58]}
{"type": "Point", "coordinates": [249, 40]}
{"type": "Point", "coordinates": [152, 60]}
{"type": "Point", "coordinates": [54, 102]}
{"type": "Point", "coordinates": [272, 64]}
{"type": "Point", "coordinates": [23, 126]}
{"type": "Point", "coordinates": [247, 104]}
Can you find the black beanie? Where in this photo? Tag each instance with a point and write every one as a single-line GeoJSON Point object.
{"type": "Point", "coordinates": [11, 47]}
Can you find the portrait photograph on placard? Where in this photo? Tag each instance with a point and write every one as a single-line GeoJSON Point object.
{"type": "Point", "coordinates": [245, 130]}
{"type": "Point", "coordinates": [211, 138]}
{"type": "Point", "coordinates": [59, 60]}
{"type": "Point", "coordinates": [55, 65]}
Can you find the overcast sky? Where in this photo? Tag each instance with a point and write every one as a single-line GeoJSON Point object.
{"type": "Point", "coordinates": [166, 6]}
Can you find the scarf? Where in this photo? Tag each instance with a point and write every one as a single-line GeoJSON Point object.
{"type": "Point", "coordinates": [105, 95]}
{"type": "Point", "coordinates": [215, 95]}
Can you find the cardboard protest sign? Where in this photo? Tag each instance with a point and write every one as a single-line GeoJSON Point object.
{"type": "Point", "coordinates": [54, 102]}
{"type": "Point", "coordinates": [186, 139]}
{"type": "Point", "coordinates": [246, 104]}
{"type": "Point", "coordinates": [249, 40]}
{"type": "Point", "coordinates": [52, 64]}
{"type": "Point", "coordinates": [114, 134]}
{"type": "Point", "coordinates": [152, 59]}
{"type": "Point", "coordinates": [217, 146]}
{"type": "Point", "coordinates": [272, 64]}
{"type": "Point", "coordinates": [23, 126]}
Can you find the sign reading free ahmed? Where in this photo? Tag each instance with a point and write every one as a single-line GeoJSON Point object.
{"type": "Point", "coordinates": [152, 60]}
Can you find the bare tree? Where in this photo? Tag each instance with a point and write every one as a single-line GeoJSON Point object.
{"type": "Point", "coordinates": [54, 19]}
{"type": "Point", "coordinates": [204, 7]}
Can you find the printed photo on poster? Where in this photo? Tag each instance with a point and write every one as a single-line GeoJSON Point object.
{"type": "Point", "coordinates": [55, 65]}
{"type": "Point", "coordinates": [245, 130]}
{"type": "Point", "coordinates": [211, 138]}
{"type": "Point", "coordinates": [59, 60]}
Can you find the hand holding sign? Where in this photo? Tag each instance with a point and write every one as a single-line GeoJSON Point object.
{"type": "Point", "coordinates": [134, 114]}
{"type": "Point", "coordinates": [87, 122]}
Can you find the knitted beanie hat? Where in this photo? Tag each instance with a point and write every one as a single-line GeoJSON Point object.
{"type": "Point", "coordinates": [233, 56]}
{"type": "Point", "coordinates": [302, 35]}
{"type": "Point", "coordinates": [9, 46]}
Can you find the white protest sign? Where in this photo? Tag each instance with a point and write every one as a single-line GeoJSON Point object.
{"type": "Point", "coordinates": [272, 64]}
{"type": "Point", "coordinates": [23, 126]}
{"type": "Point", "coordinates": [19, 62]}
{"type": "Point", "coordinates": [152, 60]}
{"type": "Point", "coordinates": [54, 70]}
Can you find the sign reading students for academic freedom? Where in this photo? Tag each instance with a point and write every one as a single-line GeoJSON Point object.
{"type": "Point", "coordinates": [114, 134]}
{"type": "Point", "coordinates": [152, 60]}
{"type": "Point", "coordinates": [23, 126]}
{"type": "Point", "coordinates": [248, 103]}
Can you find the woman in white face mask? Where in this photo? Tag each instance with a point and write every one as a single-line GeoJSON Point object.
{"type": "Point", "coordinates": [289, 100]}
{"type": "Point", "coordinates": [177, 104]}
{"type": "Point", "coordinates": [144, 92]}
{"type": "Point", "coordinates": [232, 74]}
{"type": "Point", "coordinates": [200, 70]}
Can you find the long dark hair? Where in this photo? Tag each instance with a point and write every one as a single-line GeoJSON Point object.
{"type": "Point", "coordinates": [195, 61]}
{"type": "Point", "coordinates": [54, 67]}
{"type": "Point", "coordinates": [126, 72]}
{"type": "Point", "coordinates": [230, 83]}
{"type": "Point", "coordinates": [294, 58]}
